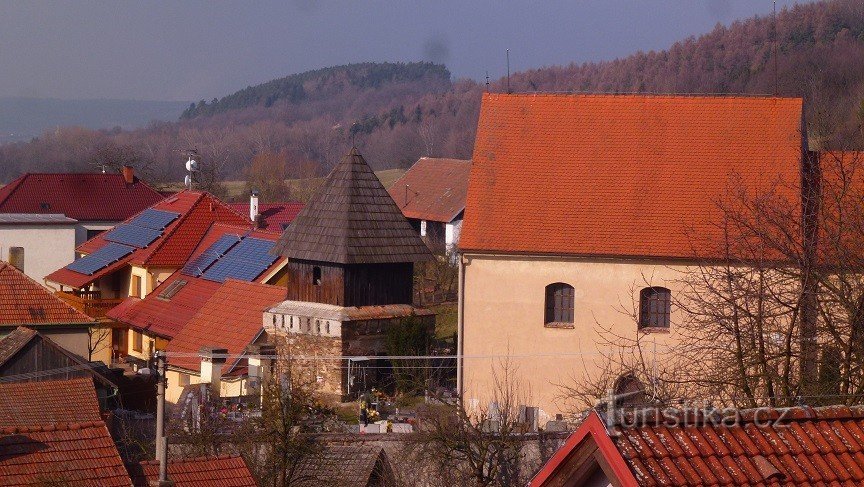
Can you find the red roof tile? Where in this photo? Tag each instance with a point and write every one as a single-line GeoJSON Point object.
{"type": "Point", "coordinates": [24, 301]}
{"type": "Point", "coordinates": [433, 189]}
{"type": "Point", "coordinates": [62, 454]}
{"type": "Point", "coordinates": [166, 317]}
{"type": "Point", "coordinates": [223, 471]}
{"type": "Point", "coordinates": [198, 211]}
{"type": "Point", "coordinates": [800, 446]}
{"type": "Point", "coordinates": [84, 197]}
{"type": "Point", "coordinates": [275, 217]}
{"type": "Point", "coordinates": [48, 402]}
{"type": "Point", "coordinates": [624, 175]}
{"type": "Point", "coordinates": [231, 319]}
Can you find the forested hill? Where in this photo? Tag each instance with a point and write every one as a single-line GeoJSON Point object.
{"type": "Point", "coordinates": [397, 112]}
{"type": "Point", "coordinates": [324, 82]}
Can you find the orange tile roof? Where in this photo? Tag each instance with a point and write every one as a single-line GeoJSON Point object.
{"type": "Point", "coordinates": [166, 317]}
{"type": "Point", "coordinates": [433, 189]}
{"type": "Point", "coordinates": [62, 454]}
{"type": "Point", "coordinates": [622, 175]}
{"type": "Point", "coordinates": [765, 447]}
{"type": "Point", "coordinates": [275, 217]}
{"type": "Point", "coordinates": [231, 319]}
{"type": "Point", "coordinates": [24, 301]}
{"type": "Point", "coordinates": [82, 196]}
{"type": "Point", "coordinates": [222, 471]}
{"type": "Point", "coordinates": [198, 211]}
{"type": "Point", "coordinates": [48, 402]}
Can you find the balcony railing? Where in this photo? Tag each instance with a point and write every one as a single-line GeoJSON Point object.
{"type": "Point", "coordinates": [90, 303]}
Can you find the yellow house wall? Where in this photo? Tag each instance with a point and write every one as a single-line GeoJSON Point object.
{"type": "Point", "coordinates": [146, 341]}
{"type": "Point", "coordinates": [150, 278]}
{"type": "Point", "coordinates": [503, 315]}
{"type": "Point", "coordinates": [228, 387]}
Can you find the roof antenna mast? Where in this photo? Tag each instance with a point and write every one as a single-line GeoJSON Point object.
{"type": "Point", "coordinates": [776, 68]}
{"type": "Point", "coordinates": [508, 72]}
{"type": "Point", "coordinates": [487, 81]}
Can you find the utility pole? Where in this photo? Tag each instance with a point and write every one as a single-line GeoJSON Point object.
{"type": "Point", "coordinates": [161, 441]}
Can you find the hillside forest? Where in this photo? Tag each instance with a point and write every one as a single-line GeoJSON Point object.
{"type": "Point", "coordinates": [299, 126]}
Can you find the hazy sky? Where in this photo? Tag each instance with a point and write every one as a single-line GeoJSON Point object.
{"type": "Point", "coordinates": [191, 50]}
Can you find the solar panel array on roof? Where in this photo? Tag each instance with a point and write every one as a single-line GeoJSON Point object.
{"type": "Point", "coordinates": [133, 235]}
{"type": "Point", "coordinates": [196, 266]}
{"type": "Point", "coordinates": [142, 230]}
{"type": "Point", "coordinates": [103, 257]}
{"type": "Point", "coordinates": [245, 261]}
{"type": "Point", "coordinates": [155, 219]}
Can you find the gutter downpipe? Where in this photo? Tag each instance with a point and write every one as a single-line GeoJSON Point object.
{"type": "Point", "coordinates": [460, 340]}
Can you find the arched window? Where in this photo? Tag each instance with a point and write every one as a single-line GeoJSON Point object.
{"type": "Point", "coordinates": [629, 391]}
{"type": "Point", "coordinates": [559, 303]}
{"type": "Point", "coordinates": [655, 306]}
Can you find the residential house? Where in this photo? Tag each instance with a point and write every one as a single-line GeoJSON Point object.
{"type": "Point", "coordinates": [345, 466]}
{"type": "Point", "coordinates": [134, 258]}
{"type": "Point", "coordinates": [225, 251]}
{"type": "Point", "coordinates": [432, 196]}
{"type": "Point", "coordinates": [28, 356]}
{"type": "Point", "coordinates": [61, 454]}
{"type": "Point", "coordinates": [37, 244]}
{"type": "Point", "coordinates": [230, 321]}
{"type": "Point", "coordinates": [761, 447]}
{"type": "Point", "coordinates": [23, 302]}
{"type": "Point", "coordinates": [52, 433]}
{"type": "Point", "coordinates": [349, 277]}
{"type": "Point", "coordinates": [581, 205]}
{"type": "Point", "coordinates": [91, 203]}
{"type": "Point", "coordinates": [48, 402]}
{"type": "Point", "coordinates": [226, 470]}
{"type": "Point", "coordinates": [273, 217]}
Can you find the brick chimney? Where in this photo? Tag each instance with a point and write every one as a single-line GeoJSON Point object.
{"type": "Point", "coordinates": [129, 174]}
{"type": "Point", "coordinates": [211, 367]}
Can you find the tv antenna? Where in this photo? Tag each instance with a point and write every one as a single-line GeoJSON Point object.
{"type": "Point", "coordinates": [487, 81]}
{"type": "Point", "coordinates": [776, 68]}
{"type": "Point", "coordinates": [508, 72]}
{"type": "Point", "coordinates": [192, 166]}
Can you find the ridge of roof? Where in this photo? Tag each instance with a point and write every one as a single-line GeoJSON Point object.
{"type": "Point", "coordinates": [13, 430]}
{"type": "Point", "coordinates": [644, 95]}
{"type": "Point", "coordinates": [193, 459]}
{"type": "Point", "coordinates": [352, 219]}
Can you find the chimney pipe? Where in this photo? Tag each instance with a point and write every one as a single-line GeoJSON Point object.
{"type": "Point", "coordinates": [129, 174]}
{"type": "Point", "coordinates": [259, 360]}
{"type": "Point", "coordinates": [212, 360]}
{"type": "Point", "coordinates": [253, 206]}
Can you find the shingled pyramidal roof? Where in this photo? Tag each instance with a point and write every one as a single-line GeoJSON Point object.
{"type": "Point", "coordinates": [352, 220]}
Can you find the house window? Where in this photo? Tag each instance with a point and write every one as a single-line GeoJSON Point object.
{"type": "Point", "coordinates": [183, 380]}
{"type": "Point", "coordinates": [136, 287]}
{"type": "Point", "coordinates": [137, 341]}
{"type": "Point", "coordinates": [655, 305]}
{"type": "Point", "coordinates": [422, 228]}
{"type": "Point", "coordinates": [16, 257]}
{"type": "Point", "coordinates": [559, 303]}
{"type": "Point", "coordinates": [316, 276]}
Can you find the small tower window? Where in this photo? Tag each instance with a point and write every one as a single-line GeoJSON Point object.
{"type": "Point", "coordinates": [316, 276]}
{"type": "Point", "coordinates": [655, 307]}
{"type": "Point", "coordinates": [559, 303]}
